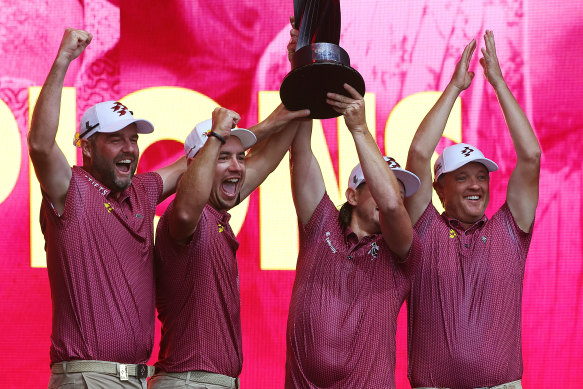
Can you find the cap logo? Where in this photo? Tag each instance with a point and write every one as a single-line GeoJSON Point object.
{"type": "Point", "coordinates": [467, 151]}
{"type": "Point", "coordinates": [392, 163]}
{"type": "Point", "coordinates": [120, 108]}
{"type": "Point", "coordinates": [89, 127]}
{"type": "Point", "coordinates": [354, 179]}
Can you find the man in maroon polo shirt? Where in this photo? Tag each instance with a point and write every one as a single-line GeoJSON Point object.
{"type": "Point", "coordinates": [197, 276]}
{"type": "Point", "coordinates": [465, 302]}
{"type": "Point", "coordinates": [353, 264]}
{"type": "Point", "coordinates": [98, 226]}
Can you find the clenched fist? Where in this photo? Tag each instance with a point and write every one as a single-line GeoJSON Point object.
{"type": "Point", "coordinates": [73, 43]}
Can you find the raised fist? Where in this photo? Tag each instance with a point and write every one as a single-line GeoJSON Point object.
{"type": "Point", "coordinates": [224, 120]}
{"type": "Point", "coordinates": [73, 43]}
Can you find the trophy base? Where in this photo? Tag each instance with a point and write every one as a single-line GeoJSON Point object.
{"type": "Point", "coordinates": [307, 84]}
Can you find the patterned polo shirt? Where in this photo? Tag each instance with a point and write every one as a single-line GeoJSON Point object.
{"type": "Point", "coordinates": [345, 301]}
{"type": "Point", "coordinates": [198, 297]}
{"type": "Point", "coordinates": [100, 258]}
{"type": "Point", "coordinates": [465, 304]}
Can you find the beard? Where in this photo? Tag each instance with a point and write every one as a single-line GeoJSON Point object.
{"type": "Point", "coordinates": [105, 171]}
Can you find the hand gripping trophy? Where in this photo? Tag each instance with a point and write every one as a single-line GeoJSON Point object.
{"type": "Point", "coordinates": [319, 65]}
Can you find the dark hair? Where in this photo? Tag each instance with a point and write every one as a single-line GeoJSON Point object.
{"type": "Point", "coordinates": [345, 215]}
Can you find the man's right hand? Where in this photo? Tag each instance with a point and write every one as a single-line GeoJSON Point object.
{"type": "Point", "coordinates": [224, 120]}
{"type": "Point", "coordinates": [73, 43]}
{"type": "Point", "coordinates": [462, 77]}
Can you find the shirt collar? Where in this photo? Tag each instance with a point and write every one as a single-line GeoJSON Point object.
{"type": "Point", "coordinates": [456, 224]}
{"type": "Point", "coordinates": [101, 188]}
{"type": "Point", "coordinates": [351, 238]}
{"type": "Point", "coordinates": [222, 216]}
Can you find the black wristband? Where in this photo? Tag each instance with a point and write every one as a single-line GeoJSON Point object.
{"type": "Point", "coordinates": [212, 133]}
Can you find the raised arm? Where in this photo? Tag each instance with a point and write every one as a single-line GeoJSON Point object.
{"type": "Point", "coordinates": [278, 131]}
{"type": "Point", "coordinates": [430, 131]}
{"type": "Point", "coordinates": [522, 192]}
{"type": "Point", "coordinates": [171, 176]}
{"type": "Point", "coordinates": [382, 183]}
{"type": "Point", "coordinates": [51, 166]}
{"type": "Point", "coordinates": [195, 186]}
{"type": "Point", "coordinates": [307, 182]}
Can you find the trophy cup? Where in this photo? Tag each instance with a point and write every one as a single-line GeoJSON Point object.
{"type": "Point", "coordinates": [319, 65]}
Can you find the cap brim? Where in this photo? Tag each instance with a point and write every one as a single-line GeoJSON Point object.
{"type": "Point", "coordinates": [409, 180]}
{"type": "Point", "coordinates": [488, 163]}
{"type": "Point", "coordinates": [246, 137]}
{"type": "Point", "coordinates": [143, 126]}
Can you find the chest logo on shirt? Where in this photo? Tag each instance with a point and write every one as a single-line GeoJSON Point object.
{"type": "Point", "coordinates": [452, 234]}
{"type": "Point", "coordinates": [484, 239]}
{"type": "Point", "coordinates": [332, 248]}
{"type": "Point", "coordinates": [221, 227]}
{"type": "Point", "coordinates": [374, 250]}
{"type": "Point", "coordinates": [108, 207]}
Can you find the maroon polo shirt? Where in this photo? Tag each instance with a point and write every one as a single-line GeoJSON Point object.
{"type": "Point", "coordinates": [345, 301]}
{"type": "Point", "coordinates": [465, 303]}
{"type": "Point", "coordinates": [100, 265]}
{"type": "Point", "coordinates": [198, 297]}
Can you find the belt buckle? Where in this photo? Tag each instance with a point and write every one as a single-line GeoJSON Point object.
{"type": "Point", "coordinates": [141, 370]}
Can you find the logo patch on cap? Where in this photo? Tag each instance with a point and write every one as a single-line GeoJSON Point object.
{"type": "Point", "coordinates": [120, 108]}
{"type": "Point", "coordinates": [467, 151]}
{"type": "Point", "coordinates": [392, 163]}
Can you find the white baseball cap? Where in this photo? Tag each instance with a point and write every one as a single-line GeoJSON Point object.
{"type": "Point", "coordinates": [199, 135]}
{"type": "Point", "coordinates": [456, 156]}
{"type": "Point", "coordinates": [410, 181]}
{"type": "Point", "coordinates": [109, 116]}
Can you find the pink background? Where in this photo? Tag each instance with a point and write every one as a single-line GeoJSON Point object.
{"type": "Point", "coordinates": [229, 51]}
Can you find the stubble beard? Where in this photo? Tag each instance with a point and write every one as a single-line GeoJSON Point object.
{"type": "Point", "coordinates": [107, 175]}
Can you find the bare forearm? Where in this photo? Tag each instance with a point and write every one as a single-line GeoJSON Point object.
{"type": "Point", "coordinates": [381, 181]}
{"type": "Point", "coordinates": [523, 137]}
{"type": "Point", "coordinates": [384, 188]}
{"type": "Point", "coordinates": [264, 157]}
{"type": "Point", "coordinates": [306, 177]}
{"type": "Point", "coordinates": [431, 128]}
{"type": "Point", "coordinates": [279, 120]}
{"type": "Point", "coordinates": [45, 117]}
{"type": "Point", "coordinates": [171, 175]}
{"type": "Point", "coordinates": [194, 188]}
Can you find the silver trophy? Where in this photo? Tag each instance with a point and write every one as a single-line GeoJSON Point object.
{"type": "Point", "coordinates": [319, 65]}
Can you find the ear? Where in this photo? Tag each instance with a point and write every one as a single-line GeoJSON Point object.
{"type": "Point", "coordinates": [437, 185]}
{"type": "Point", "coordinates": [86, 148]}
{"type": "Point", "coordinates": [352, 196]}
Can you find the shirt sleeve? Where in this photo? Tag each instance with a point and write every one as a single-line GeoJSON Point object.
{"type": "Point", "coordinates": [323, 212]}
{"type": "Point", "coordinates": [517, 235]}
{"type": "Point", "coordinates": [166, 248]}
{"type": "Point", "coordinates": [153, 185]}
{"type": "Point", "coordinates": [423, 225]}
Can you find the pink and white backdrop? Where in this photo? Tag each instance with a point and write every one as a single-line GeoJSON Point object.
{"type": "Point", "coordinates": [173, 61]}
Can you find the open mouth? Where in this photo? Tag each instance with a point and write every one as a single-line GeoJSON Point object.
{"type": "Point", "coordinates": [230, 186]}
{"type": "Point", "coordinates": [124, 166]}
{"type": "Point", "coordinates": [472, 197]}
